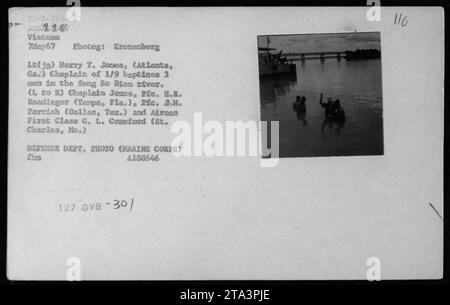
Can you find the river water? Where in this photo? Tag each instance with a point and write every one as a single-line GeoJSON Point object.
{"type": "Point", "coordinates": [358, 86]}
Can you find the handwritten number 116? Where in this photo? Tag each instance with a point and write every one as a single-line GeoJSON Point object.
{"type": "Point", "coordinates": [400, 19]}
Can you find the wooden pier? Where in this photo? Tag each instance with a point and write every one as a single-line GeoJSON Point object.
{"type": "Point", "coordinates": [315, 55]}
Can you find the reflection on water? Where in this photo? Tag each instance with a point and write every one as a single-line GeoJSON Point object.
{"type": "Point", "coordinates": [333, 126]}
{"type": "Point", "coordinates": [357, 84]}
{"type": "Point", "coordinates": [301, 116]}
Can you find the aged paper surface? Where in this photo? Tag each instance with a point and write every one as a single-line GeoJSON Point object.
{"type": "Point", "coordinates": [97, 188]}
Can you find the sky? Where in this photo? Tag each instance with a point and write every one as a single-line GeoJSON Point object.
{"type": "Point", "coordinates": [322, 42]}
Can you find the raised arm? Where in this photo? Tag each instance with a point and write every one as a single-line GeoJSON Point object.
{"type": "Point", "coordinates": [321, 98]}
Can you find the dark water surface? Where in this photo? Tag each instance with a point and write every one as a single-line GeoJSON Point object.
{"type": "Point", "coordinates": [357, 84]}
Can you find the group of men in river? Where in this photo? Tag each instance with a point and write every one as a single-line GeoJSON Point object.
{"type": "Point", "coordinates": [333, 109]}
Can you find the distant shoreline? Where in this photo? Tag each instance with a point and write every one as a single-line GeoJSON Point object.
{"type": "Point", "coordinates": [363, 54]}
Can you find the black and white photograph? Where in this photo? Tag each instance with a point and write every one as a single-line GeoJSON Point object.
{"type": "Point", "coordinates": [326, 92]}
{"type": "Point", "coordinates": [224, 154]}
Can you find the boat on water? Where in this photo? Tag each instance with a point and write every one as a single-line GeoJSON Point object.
{"type": "Point", "coordinates": [273, 63]}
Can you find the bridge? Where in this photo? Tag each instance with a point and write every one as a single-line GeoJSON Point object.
{"type": "Point", "coordinates": [315, 55]}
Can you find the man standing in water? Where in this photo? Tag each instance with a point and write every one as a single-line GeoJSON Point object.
{"type": "Point", "coordinates": [300, 109]}
{"type": "Point", "coordinates": [299, 105]}
{"type": "Point", "coordinates": [330, 108]}
{"type": "Point", "coordinates": [339, 113]}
